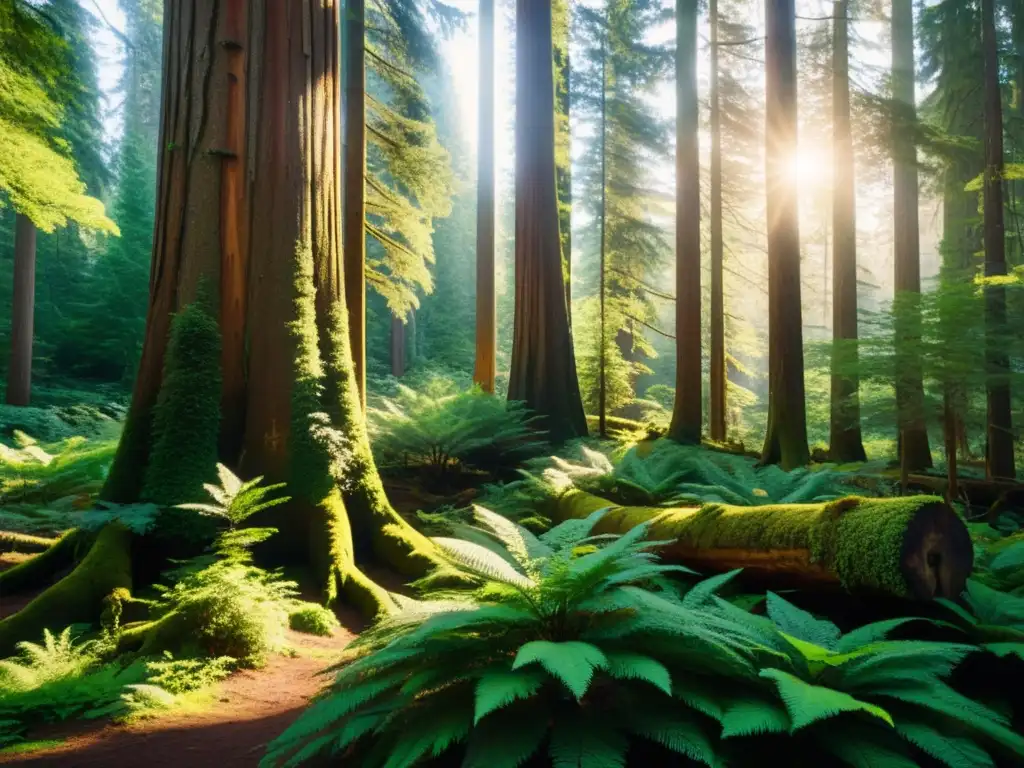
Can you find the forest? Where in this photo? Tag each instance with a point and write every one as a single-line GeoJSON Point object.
{"type": "Point", "coordinates": [500, 383]}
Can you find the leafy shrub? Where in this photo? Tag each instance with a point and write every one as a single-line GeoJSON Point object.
{"type": "Point", "coordinates": [186, 675]}
{"type": "Point", "coordinates": [57, 680]}
{"type": "Point", "coordinates": [578, 645]}
{"type": "Point", "coordinates": [313, 620]}
{"type": "Point", "coordinates": [445, 431]}
{"type": "Point", "coordinates": [993, 619]}
{"type": "Point", "coordinates": [34, 474]}
{"type": "Point", "coordinates": [54, 424]}
{"type": "Point", "coordinates": [229, 609]}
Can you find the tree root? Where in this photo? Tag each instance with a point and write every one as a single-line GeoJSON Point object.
{"type": "Point", "coordinates": [37, 571]}
{"type": "Point", "coordinates": [23, 542]}
{"type": "Point", "coordinates": [79, 596]}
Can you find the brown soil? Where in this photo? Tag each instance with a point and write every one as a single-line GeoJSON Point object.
{"type": "Point", "coordinates": [254, 706]}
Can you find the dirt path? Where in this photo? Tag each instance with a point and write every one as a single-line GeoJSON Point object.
{"type": "Point", "coordinates": [254, 707]}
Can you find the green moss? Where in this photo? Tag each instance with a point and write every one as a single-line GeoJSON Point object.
{"type": "Point", "coordinates": [859, 540]}
{"type": "Point", "coordinates": [313, 619]}
{"type": "Point", "coordinates": [78, 597]}
{"type": "Point", "coordinates": [36, 571]}
{"type": "Point", "coordinates": [11, 541]}
{"type": "Point", "coordinates": [186, 419]}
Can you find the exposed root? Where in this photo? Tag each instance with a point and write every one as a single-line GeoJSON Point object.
{"type": "Point", "coordinates": [79, 596]}
{"type": "Point", "coordinates": [37, 571]}
{"type": "Point", "coordinates": [23, 542]}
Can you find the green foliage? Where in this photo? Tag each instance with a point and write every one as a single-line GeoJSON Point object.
{"type": "Point", "coordinates": [993, 619]}
{"type": "Point", "coordinates": [448, 431]}
{"type": "Point", "coordinates": [313, 620]}
{"type": "Point", "coordinates": [187, 412]}
{"type": "Point", "coordinates": [34, 474]}
{"type": "Point", "coordinates": [234, 502]}
{"type": "Point", "coordinates": [178, 676]}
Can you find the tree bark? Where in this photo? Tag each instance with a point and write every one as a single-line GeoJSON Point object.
{"type": "Point", "coordinates": [19, 372]}
{"type": "Point", "coordinates": [786, 437]}
{"type": "Point", "coordinates": [718, 379]}
{"type": "Point", "coordinates": [906, 244]}
{"type": "Point", "coordinates": [397, 347]}
{"type": "Point", "coordinates": [301, 395]}
{"type": "Point", "coordinates": [916, 547]}
{"type": "Point", "coordinates": [845, 444]}
{"type": "Point", "coordinates": [686, 412]}
{"type": "Point", "coordinates": [485, 368]}
{"type": "Point", "coordinates": [354, 209]}
{"type": "Point", "coordinates": [999, 459]}
{"type": "Point", "coordinates": [543, 372]}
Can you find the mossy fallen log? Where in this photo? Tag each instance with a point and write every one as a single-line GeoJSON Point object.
{"type": "Point", "coordinates": [909, 547]}
{"type": "Point", "coordinates": [78, 597]}
{"type": "Point", "coordinates": [39, 571]}
{"type": "Point", "coordinates": [23, 542]}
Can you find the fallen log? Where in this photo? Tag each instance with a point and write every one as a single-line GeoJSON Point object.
{"type": "Point", "coordinates": [913, 547]}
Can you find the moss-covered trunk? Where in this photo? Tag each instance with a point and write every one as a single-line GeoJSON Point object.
{"type": "Point", "coordinates": [298, 417]}
{"type": "Point", "coordinates": [911, 547]}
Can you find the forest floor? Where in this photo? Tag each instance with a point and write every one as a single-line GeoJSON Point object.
{"type": "Point", "coordinates": [250, 709]}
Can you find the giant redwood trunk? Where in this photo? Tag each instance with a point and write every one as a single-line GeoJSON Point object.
{"type": "Point", "coordinates": [19, 372]}
{"type": "Point", "coordinates": [302, 421]}
{"type": "Point", "coordinates": [355, 185]}
{"type": "Point", "coordinates": [543, 370]}
{"type": "Point", "coordinates": [686, 412]}
{"type": "Point", "coordinates": [718, 381]}
{"type": "Point", "coordinates": [561, 26]}
{"type": "Point", "coordinates": [999, 461]}
{"type": "Point", "coordinates": [786, 438]}
{"type": "Point", "coordinates": [845, 442]}
{"type": "Point", "coordinates": [913, 434]}
{"type": "Point", "coordinates": [485, 367]}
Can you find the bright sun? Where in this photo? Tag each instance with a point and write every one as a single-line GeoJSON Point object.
{"type": "Point", "coordinates": [808, 166]}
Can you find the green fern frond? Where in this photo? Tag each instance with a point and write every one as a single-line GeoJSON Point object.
{"type": "Point", "coordinates": [571, 662]}
{"type": "Point", "coordinates": [807, 704]}
{"type": "Point", "coordinates": [577, 742]}
{"type": "Point", "coordinates": [952, 750]}
{"type": "Point", "coordinates": [800, 624]}
{"type": "Point", "coordinates": [676, 732]}
{"type": "Point", "coordinates": [498, 689]}
{"type": "Point", "coordinates": [634, 666]}
{"type": "Point", "coordinates": [754, 717]}
{"type": "Point", "coordinates": [481, 562]}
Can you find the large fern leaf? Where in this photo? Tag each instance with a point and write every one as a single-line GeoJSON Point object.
{"type": "Point", "coordinates": [807, 704]}
{"type": "Point", "coordinates": [573, 663]}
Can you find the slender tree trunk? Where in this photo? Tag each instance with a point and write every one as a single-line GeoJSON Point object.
{"type": "Point", "coordinates": [906, 243]}
{"type": "Point", "coordinates": [686, 412]}
{"type": "Point", "coordinates": [397, 347]}
{"type": "Point", "coordinates": [543, 372]}
{"type": "Point", "coordinates": [485, 368]}
{"type": "Point", "coordinates": [786, 438]}
{"type": "Point", "coordinates": [562, 9]}
{"type": "Point", "coordinates": [719, 380]}
{"type": "Point", "coordinates": [19, 372]}
{"type": "Point", "coordinates": [845, 442]}
{"type": "Point", "coordinates": [999, 461]}
{"type": "Point", "coordinates": [354, 209]}
{"type": "Point", "coordinates": [602, 383]}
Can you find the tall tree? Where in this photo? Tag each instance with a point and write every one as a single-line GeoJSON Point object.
{"type": "Point", "coordinates": [354, 204]}
{"type": "Point", "coordinates": [718, 380]}
{"type": "Point", "coordinates": [914, 450]}
{"type": "Point", "coordinates": [484, 370]}
{"type": "Point", "coordinates": [845, 442]}
{"type": "Point", "coordinates": [44, 107]}
{"type": "Point", "coordinates": [602, 330]}
{"type": "Point", "coordinates": [999, 457]}
{"type": "Point", "coordinates": [686, 413]}
{"type": "Point", "coordinates": [543, 370]}
{"type": "Point", "coordinates": [561, 23]}
{"type": "Point", "coordinates": [786, 437]}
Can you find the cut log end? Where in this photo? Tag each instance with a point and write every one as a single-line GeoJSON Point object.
{"type": "Point", "coordinates": [937, 555]}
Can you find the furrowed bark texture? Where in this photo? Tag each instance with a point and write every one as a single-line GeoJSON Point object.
{"type": "Point", "coordinates": [913, 433]}
{"type": "Point", "coordinates": [301, 415]}
{"type": "Point", "coordinates": [845, 442]}
{"type": "Point", "coordinates": [686, 412]}
{"type": "Point", "coordinates": [786, 437]}
{"type": "Point", "coordinates": [543, 364]}
{"type": "Point", "coordinates": [914, 547]}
